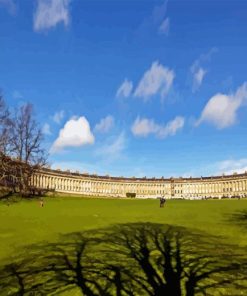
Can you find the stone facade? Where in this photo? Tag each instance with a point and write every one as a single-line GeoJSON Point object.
{"type": "Point", "coordinates": [181, 188]}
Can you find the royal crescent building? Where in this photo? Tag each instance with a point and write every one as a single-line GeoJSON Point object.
{"type": "Point", "coordinates": [179, 188]}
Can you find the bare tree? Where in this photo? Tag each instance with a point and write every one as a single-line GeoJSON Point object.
{"type": "Point", "coordinates": [26, 146]}
{"type": "Point", "coordinates": [5, 124]}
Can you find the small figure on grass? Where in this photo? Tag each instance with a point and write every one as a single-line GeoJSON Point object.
{"type": "Point", "coordinates": [162, 201]}
{"type": "Point", "coordinates": [41, 202]}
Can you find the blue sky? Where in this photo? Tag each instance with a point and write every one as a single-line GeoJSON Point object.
{"type": "Point", "coordinates": [131, 88]}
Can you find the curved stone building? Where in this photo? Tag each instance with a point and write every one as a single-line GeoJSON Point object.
{"type": "Point", "coordinates": [182, 188]}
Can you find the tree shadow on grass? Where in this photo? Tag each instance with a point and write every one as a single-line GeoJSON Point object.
{"type": "Point", "coordinates": [129, 259]}
{"type": "Point", "coordinates": [239, 218]}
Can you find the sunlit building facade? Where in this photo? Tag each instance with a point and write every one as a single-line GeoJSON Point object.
{"type": "Point", "coordinates": [180, 188]}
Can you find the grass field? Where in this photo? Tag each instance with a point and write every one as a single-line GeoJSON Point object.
{"type": "Point", "coordinates": [221, 223]}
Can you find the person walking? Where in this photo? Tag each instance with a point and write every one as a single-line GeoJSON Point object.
{"type": "Point", "coordinates": [41, 202]}
{"type": "Point", "coordinates": [162, 202]}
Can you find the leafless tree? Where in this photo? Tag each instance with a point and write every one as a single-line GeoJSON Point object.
{"type": "Point", "coordinates": [26, 146]}
{"type": "Point", "coordinates": [4, 115]}
{"type": "Point", "coordinates": [5, 124]}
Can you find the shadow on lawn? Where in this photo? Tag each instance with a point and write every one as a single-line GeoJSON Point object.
{"type": "Point", "coordinates": [239, 218]}
{"type": "Point", "coordinates": [129, 259]}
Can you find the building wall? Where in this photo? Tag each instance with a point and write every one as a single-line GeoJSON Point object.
{"type": "Point", "coordinates": [188, 188]}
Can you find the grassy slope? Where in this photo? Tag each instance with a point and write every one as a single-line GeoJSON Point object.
{"type": "Point", "coordinates": [26, 223]}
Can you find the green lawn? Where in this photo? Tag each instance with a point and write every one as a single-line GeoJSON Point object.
{"type": "Point", "coordinates": [26, 224]}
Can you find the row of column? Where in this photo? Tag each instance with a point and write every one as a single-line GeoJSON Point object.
{"type": "Point", "coordinates": [219, 187]}
{"type": "Point", "coordinates": [90, 186]}
{"type": "Point", "coordinates": [67, 184]}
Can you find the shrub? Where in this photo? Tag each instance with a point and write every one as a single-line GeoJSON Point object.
{"type": "Point", "coordinates": [131, 194]}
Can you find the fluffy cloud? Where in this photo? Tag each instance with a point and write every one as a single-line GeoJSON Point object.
{"type": "Point", "coordinates": [227, 167]}
{"type": "Point", "coordinates": [10, 5]}
{"type": "Point", "coordinates": [76, 132]}
{"type": "Point", "coordinates": [105, 124]}
{"type": "Point", "coordinates": [157, 80]}
{"type": "Point", "coordinates": [113, 149]}
{"type": "Point", "coordinates": [231, 166]}
{"type": "Point", "coordinates": [172, 127]}
{"type": "Point", "coordinates": [165, 26]}
{"type": "Point", "coordinates": [49, 13]}
{"type": "Point", "coordinates": [221, 110]}
{"type": "Point", "coordinates": [143, 127]}
{"type": "Point", "coordinates": [46, 129]}
{"type": "Point", "coordinates": [125, 89]}
{"type": "Point", "coordinates": [58, 116]}
{"type": "Point", "coordinates": [198, 71]}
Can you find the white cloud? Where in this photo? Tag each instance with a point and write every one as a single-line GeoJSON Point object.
{"type": "Point", "coordinates": [46, 129]}
{"type": "Point", "coordinates": [10, 5]}
{"type": "Point", "coordinates": [198, 71]}
{"type": "Point", "coordinates": [105, 124]}
{"type": "Point", "coordinates": [58, 116]}
{"type": "Point", "coordinates": [159, 19]}
{"type": "Point", "coordinates": [227, 167]}
{"type": "Point", "coordinates": [172, 127]}
{"type": "Point", "coordinates": [16, 94]}
{"type": "Point", "coordinates": [231, 166]}
{"type": "Point", "coordinates": [152, 23]}
{"type": "Point", "coordinates": [76, 132]}
{"type": "Point", "coordinates": [198, 76]}
{"type": "Point", "coordinates": [165, 26]}
{"type": "Point", "coordinates": [157, 80]}
{"type": "Point", "coordinates": [221, 110]}
{"type": "Point", "coordinates": [113, 149]}
{"type": "Point", "coordinates": [143, 127]}
{"type": "Point", "coordinates": [159, 12]}
{"type": "Point", "coordinates": [125, 89]}
{"type": "Point", "coordinates": [49, 13]}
